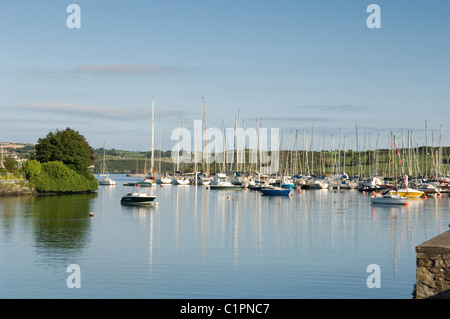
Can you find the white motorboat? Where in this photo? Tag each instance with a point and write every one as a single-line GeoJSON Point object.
{"type": "Point", "coordinates": [389, 198]}
{"type": "Point", "coordinates": [137, 198]}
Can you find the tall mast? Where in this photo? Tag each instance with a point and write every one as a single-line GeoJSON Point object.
{"type": "Point", "coordinates": [206, 138]}
{"type": "Point", "coordinates": [440, 153]}
{"type": "Point", "coordinates": [153, 137]}
{"type": "Point", "coordinates": [160, 147]}
{"type": "Point", "coordinates": [312, 149]}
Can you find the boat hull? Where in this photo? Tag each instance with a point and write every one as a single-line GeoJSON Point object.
{"type": "Point", "coordinates": [180, 182]}
{"type": "Point", "coordinates": [137, 200]}
{"type": "Point", "coordinates": [221, 187]}
{"type": "Point", "coordinates": [107, 181]}
{"type": "Point", "coordinates": [163, 181]}
{"type": "Point", "coordinates": [389, 200]}
{"type": "Point", "coordinates": [275, 192]}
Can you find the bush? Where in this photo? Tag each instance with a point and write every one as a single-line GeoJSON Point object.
{"type": "Point", "coordinates": [57, 177]}
{"type": "Point", "coordinates": [31, 168]}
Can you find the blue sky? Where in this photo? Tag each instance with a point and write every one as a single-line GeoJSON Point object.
{"type": "Point", "coordinates": [295, 64]}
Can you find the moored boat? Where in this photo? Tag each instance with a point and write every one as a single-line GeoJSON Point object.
{"type": "Point", "coordinates": [163, 180]}
{"type": "Point", "coordinates": [429, 189]}
{"type": "Point", "coordinates": [107, 181]}
{"type": "Point", "coordinates": [220, 181]}
{"type": "Point", "coordinates": [408, 192]}
{"type": "Point", "coordinates": [319, 184]}
{"type": "Point", "coordinates": [104, 172]}
{"type": "Point", "coordinates": [287, 183]}
{"type": "Point", "coordinates": [389, 198]}
{"type": "Point", "coordinates": [147, 182]}
{"type": "Point", "coordinates": [179, 180]}
{"type": "Point", "coordinates": [276, 191]}
{"type": "Point", "coordinates": [137, 198]}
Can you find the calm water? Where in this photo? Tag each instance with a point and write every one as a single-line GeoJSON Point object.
{"type": "Point", "coordinates": [197, 243]}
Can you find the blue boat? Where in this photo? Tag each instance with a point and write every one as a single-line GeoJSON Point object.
{"type": "Point", "coordinates": [275, 191]}
{"type": "Point", "coordinates": [287, 185]}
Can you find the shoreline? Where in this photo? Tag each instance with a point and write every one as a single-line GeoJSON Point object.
{"type": "Point", "coordinates": [18, 190]}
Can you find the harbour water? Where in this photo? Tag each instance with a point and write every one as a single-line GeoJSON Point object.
{"type": "Point", "coordinates": [202, 243]}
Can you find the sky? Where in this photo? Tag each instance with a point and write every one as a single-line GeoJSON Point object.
{"type": "Point", "coordinates": [312, 67]}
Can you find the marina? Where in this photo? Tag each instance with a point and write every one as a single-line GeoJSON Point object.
{"type": "Point", "coordinates": [224, 150]}
{"type": "Point", "coordinates": [202, 243]}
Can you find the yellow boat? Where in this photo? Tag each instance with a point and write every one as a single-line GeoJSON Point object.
{"type": "Point", "coordinates": [408, 192]}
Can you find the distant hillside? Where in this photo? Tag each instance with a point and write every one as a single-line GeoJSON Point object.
{"type": "Point", "coordinates": [22, 150]}
{"type": "Point", "coordinates": [120, 161]}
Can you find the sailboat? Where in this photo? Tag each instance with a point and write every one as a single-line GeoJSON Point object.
{"type": "Point", "coordinates": [162, 178]}
{"type": "Point", "coordinates": [397, 196]}
{"type": "Point", "coordinates": [220, 181]}
{"type": "Point", "coordinates": [180, 180]}
{"type": "Point", "coordinates": [137, 169]}
{"type": "Point", "coordinates": [149, 179]}
{"type": "Point", "coordinates": [104, 172]}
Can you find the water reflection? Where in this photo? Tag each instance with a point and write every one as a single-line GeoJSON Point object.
{"type": "Point", "coordinates": [316, 223]}
{"type": "Point", "coordinates": [61, 225]}
{"type": "Point", "coordinates": [12, 210]}
{"type": "Point", "coordinates": [199, 242]}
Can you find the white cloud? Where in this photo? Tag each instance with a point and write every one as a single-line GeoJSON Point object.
{"type": "Point", "coordinates": [98, 111]}
{"type": "Point", "coordinates": [86, 110]}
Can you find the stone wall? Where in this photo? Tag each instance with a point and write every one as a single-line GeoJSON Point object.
{"type": "Point", "coordinates": [16, 190]}
{"type": "Point", "coordinates": [433, 268]}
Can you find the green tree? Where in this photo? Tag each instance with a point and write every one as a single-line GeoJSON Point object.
{"type": "Point", "coordinates": [10, 163]}
{"type": "Point", "coordinates": [31, 168]}
{"type": "Point", "coordinates": [68, 147]}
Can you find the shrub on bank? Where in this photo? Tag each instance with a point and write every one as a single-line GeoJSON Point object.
{"type": "Point", "coordinates": [31, 168]}
{"type": "Point", "coordinates": [55, 177]}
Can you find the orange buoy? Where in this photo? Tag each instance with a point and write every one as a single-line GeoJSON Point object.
{"type": "Point", "coordinates": [406, 204]}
